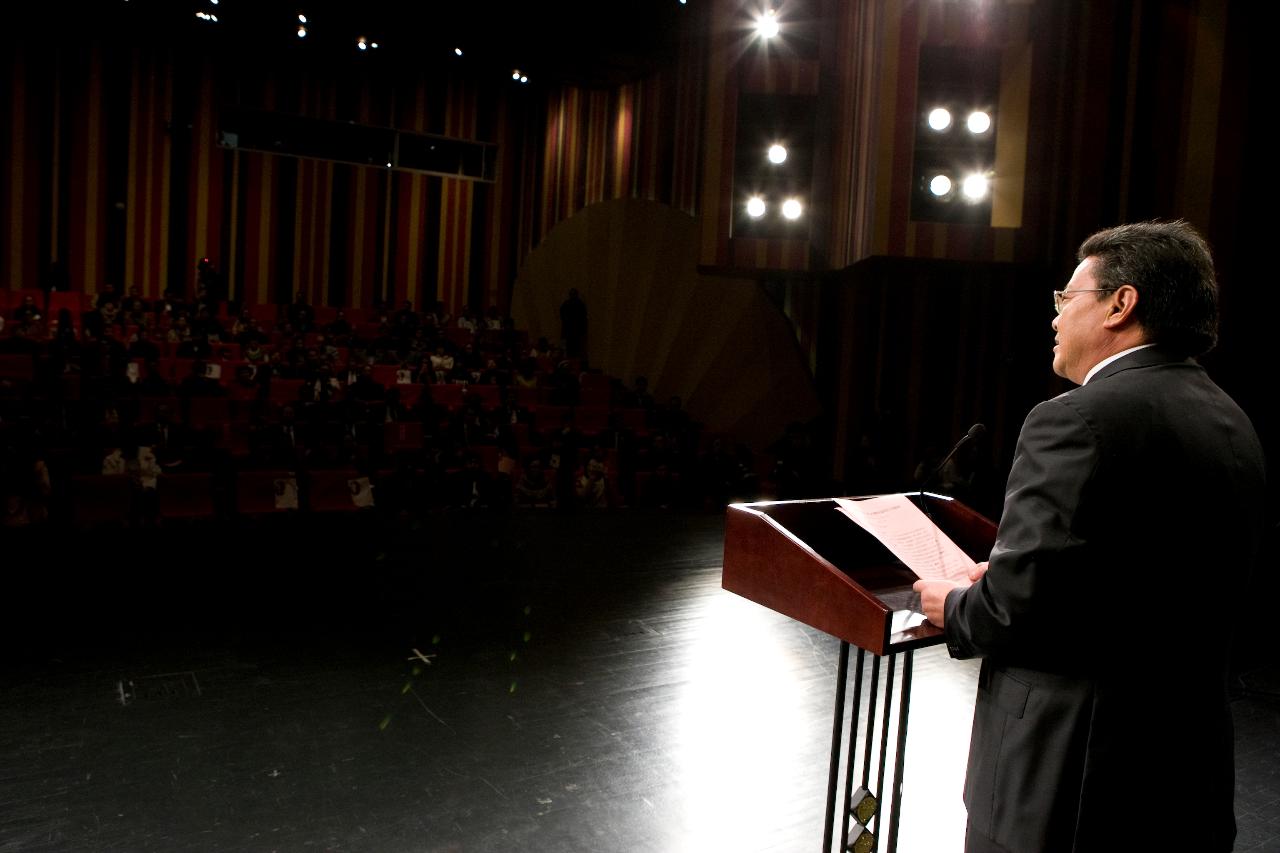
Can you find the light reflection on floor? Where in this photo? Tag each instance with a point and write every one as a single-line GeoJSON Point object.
{"type": "Point", "coordinates": [754, 723]}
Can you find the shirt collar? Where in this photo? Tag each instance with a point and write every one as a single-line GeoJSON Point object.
{"type": "Point", "coordinates": [1093, 370]}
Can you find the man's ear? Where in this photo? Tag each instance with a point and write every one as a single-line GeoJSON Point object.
{"type": "Point", "coordinates": [1122, 307]}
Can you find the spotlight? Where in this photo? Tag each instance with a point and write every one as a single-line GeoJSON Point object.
{"type": "Point", "coordinates": [515, 74]}
{"type": "Point", "coordinates": [457, 51]}
{"type": "Point", "coordinates": [302, 32]}
{"type": "Point", "coordinates": [791, 208]}
{"type": "Point", "coordinates": [755, 207]}
{"type": "Point", "coordinates": [939, 119]}
{"type": "Point", "coordinates": [777, 154]}
{"type": "Point", "coordinates": [767, 24]}
{"type": "Point", "coordinates": [362, 44]}
{"type": "Point", "coordinates": [940, 185]}
{"type": "Point", "coordinates": [975, 187]}
{"type": "Point", "coordinates": [302, 19]}
{"type": "Point", "coordinates": [978, 122]}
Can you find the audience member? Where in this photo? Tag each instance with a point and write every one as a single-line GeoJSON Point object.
{"type": "Point", "coordinates": [534, 489]}
{"type": "Point", "coordinates": [301, 315]}
{"type": "Point", "coordinates": [144, 471]}
{"type": "Point", "coordinates": [573, 325]}
{"type": "Point", "coordinates": [591, 488]}
{"type": "Point", "coordinates": [472, 485]}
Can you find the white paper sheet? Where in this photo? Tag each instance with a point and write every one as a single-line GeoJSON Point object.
{"type": "Point", "coordinates": [910, 536]}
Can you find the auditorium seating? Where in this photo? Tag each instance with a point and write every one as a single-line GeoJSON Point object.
{"type": "Point", "coordinates": [228, 447]}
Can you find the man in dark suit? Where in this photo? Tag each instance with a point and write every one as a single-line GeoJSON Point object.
{"type": "Point", "coordinates": [1132, 516]}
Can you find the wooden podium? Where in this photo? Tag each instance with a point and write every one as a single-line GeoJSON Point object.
{"type": "Point", "coordinates": [809, 561]}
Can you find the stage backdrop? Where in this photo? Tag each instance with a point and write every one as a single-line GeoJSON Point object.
{"type": "Point", "coordinates": [719, 344]}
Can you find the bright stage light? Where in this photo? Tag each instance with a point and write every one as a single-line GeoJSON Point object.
{"type": "Point", "coordinates": [767, 24]}
{"type": "Point", "coordinates": [777, 154]}
{"type": "Point", "coordinates": [978, 122]}
{"type": "Point", "coordinates": [940, 185]}
{"type": "Point", "coordinates": [939, 119]}
{"type": "Point", "coordinates": [791, 208]}
{"type": "Point", "coordinates": [755, 207]}
{"type": "Point", "coordinates": [975, 187]}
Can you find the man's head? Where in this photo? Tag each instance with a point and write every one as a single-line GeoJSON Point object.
{"type": "Point", "coordinates": [1170, 266]}
{"type": "Point", "coordinates": [1149, 282]}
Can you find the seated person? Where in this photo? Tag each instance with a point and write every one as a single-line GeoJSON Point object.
{"type": "Point", "coordinates": [494, 321]}
{"type": "Point", "coordinates": [441, 364]}
{"type": "Point", "coordinates": [195, 346]}
{"type": "Point", "coordinates": [136, 309]}
{"type": "Point", "coordinates": [339, 328]}
{"type": "Point", "coordinates": [143, 347]}
{"type": "Point", "coordinates": [473, 488]}
{"type": "Point", "coordinates": [255, 354]}
{"type": "Point", "coordinates": [199, 383]}
{"type": "Point", "coordinates": [591, 488]}
{"type": "Point", "coordinates": [467, 320]}
{"type": "Point", "coordinates": [111, 316]}
{"type": "Point", "coordinates": [535, 488]}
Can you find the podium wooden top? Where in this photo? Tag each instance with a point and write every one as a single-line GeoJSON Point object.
{"type": "Point", "coordinates": [811, 562]}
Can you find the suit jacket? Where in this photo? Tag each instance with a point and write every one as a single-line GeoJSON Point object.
{"type": "Point", "coordinates": [1133, 513]}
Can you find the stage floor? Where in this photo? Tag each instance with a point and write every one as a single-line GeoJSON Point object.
{"type": "Point", "coordinates": [532, 682]}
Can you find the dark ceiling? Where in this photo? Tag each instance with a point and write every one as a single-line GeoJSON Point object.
{"type": "Point", "coordinates": [590, 43]}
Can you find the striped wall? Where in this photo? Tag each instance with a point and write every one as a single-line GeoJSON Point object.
{"type": "Point", "coordinates": [111, 162]}
{"type": "Point", "coordinates": [112, 165]}
{"type": "Point", "coordinates": [638, 140]}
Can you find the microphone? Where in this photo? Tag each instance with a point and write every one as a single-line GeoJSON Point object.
{"type": "Point", "coordinates": [975, 432]}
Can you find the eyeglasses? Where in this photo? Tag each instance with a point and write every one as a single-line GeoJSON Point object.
{"type": "Point", "coordinates": [1060, 296]}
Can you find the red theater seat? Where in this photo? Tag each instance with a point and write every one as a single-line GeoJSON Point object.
{"type": "Point", "coordinates": [402, 435]}
{"type": "Point", "coordinates": [261, 493]}
{"type": "Point", "coordinates": [184, 496]}
{"type": "Point", "coordinates": [335, 491]}
{"type": "Point", "coordinates": [99, 499]}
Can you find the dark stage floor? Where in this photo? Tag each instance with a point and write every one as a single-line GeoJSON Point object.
{"type": "Point", "coordinates": [528, 682]}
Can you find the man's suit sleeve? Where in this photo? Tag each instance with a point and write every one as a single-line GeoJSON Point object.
{"type": "Point", "coordinates": [1028, 586]}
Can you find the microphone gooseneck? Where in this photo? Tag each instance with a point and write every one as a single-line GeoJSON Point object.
{"type": "Point", "coordinates": [975, 432]}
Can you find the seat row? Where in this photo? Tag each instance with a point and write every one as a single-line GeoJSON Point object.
{"type": "Point", "coordinates": [97, 499]}
{"type": "Point", "coordinates": [114, 499]}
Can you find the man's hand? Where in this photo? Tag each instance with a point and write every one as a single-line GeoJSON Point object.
{"type": "Point", "coordinates": [978, 570]}
{"type": "Point", "coordinates": [933, 598]}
